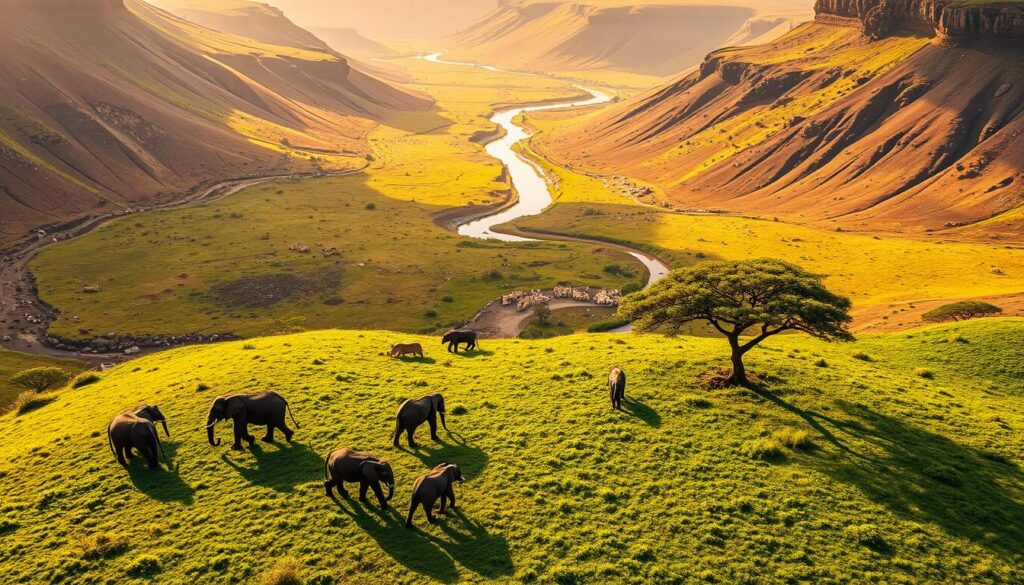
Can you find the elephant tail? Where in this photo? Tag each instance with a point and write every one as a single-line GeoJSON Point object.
{"type": "Point", "coordinates": [295, 422]}
{"type": "Point", "coordinates": [110, 442]}
{"type": "Point", "coordinates": [327, 468]}
{"type": "Point", "coordinates": [159, 445]}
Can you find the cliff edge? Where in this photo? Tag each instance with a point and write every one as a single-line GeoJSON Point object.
{"type": "Point", "coordinates": [951, 22]}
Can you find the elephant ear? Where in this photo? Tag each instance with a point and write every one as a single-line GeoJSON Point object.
{"type": "Point", "coordinates": [234, 407]}
{"type": "Point", "coordinates": [369, 469]}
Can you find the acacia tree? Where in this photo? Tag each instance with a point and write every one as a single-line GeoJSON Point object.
{"type": "Point", "coordinates": [747, 301]}
{"type": "Point", "coordinates": [41, 379]}
{"type": "Point", "coordinates": [962, 310]}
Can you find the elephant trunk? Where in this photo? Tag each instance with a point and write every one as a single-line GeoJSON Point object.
{"type": "Point", "coordinates": [391, 491]}
{"type": "Point", "coordinates": [166, 432]}
{"type": "Point", "coordinates": [444, 423]}
{"type": "Point", "coordinates": [209, 434]}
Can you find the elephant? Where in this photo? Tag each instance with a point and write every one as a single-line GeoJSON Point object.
{"type": "Point", "coordinates": [413, 413]}
{"type": "Point", "coordinates": [369, 470]}
{"type": "Point", "coordinates": [617, 387]}
{"type": "Point", "coordinates": [437, 483]}
{"type": "Point", "coordinates": [459, 336]}
{"type": "Point", "coordinates": [135, 429]}
{"type": "Point", "coordinates": [257, 408]}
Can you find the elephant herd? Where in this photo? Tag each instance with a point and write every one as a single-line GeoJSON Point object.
{"type": "Point", "coordinates": [136, 430]}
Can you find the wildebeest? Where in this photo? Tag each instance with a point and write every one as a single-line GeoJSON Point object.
{"type": "Point", "coordinates": [459, 336]}
{"type": "Point", "coordinates": [404, 349]}
{"type": "Point", "coordinates": [617, 387]}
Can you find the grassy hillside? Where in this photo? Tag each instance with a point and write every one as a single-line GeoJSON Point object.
{"type": "Point", "coordinates": [226, 267]}
{"type": "Point", "coordinates": [12, 362]}
{"type": "Point", "coordinates": [904, 465]}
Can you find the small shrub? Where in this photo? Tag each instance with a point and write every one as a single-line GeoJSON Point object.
{"type": "Point", "coordinates": [285, 572]}
{"type": "Point", "coordinates": [694, 402]}
{"type": "Point", "coordinates": [493, 275]}
{"type": "Point", "coordinates": [631, 288]}
{"type": "Point", "coordinates": [860, 355]}
{"type": "Point", "coordinates": [371, 206]}
{"type": "Point", "coordinates": [792, 438]}
{"type": "Point", "coordinates": [202, 387]}
{"type": "Point", "coordinates": [430, 313]}
{"type": "Point", "coordinates": [144, 566]}
{"type": "Point", "coordinates": [248, 347]}
{"type": "Point", "coordinates": [605, 326]}
{"type": "Point", "coordinates": [41, 379]}
{"type": "Point", "coordinates": [617, 270]}
{"type": "Point", "coordinates": [925, 373]}
{"type": "Point", "coordinates": [761, 449]}
{"type": "Point", "coordinates": [84, 380]}
{"type": "Point", "coordinates": [459, 410]}
{"type": "Point", "coordinates": [31, 400]}
{"type": "Point", "coordinates": [961, 311]}
{"type": "Point", "coordinates": [448, 299]}
{"type": "Point", "coordinates": [867, 535]}
{"type": "Point", "coordinates": [102, 546]}
{"type": "Point", "coordinates": [943, 474]}
{"type": "Point", "coordinates": [821, 363]}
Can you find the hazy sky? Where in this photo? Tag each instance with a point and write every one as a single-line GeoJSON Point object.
{"type": "Point", "coordinates": [388, 19]}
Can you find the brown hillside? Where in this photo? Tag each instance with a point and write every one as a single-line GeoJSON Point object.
{"type": "Point", "coordinates": [105, 105]}
{"type": "Point", "coordinates": [829, 126]}
{"type": "Point", "coordinates": [246, 18]}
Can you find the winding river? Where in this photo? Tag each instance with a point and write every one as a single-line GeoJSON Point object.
{"type": "Point", "coordinates": [529, 180]}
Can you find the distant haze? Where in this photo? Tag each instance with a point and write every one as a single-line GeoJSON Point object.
{"type": "Point", "coordinates": [389, 19]}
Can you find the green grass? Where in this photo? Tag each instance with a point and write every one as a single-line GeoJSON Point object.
{"type": "Point", "coordinates": [199, 269]}
{"type": "Point", "coordinates": [12, 362]}
{"type": "Point", "coordinates": [859, 472]}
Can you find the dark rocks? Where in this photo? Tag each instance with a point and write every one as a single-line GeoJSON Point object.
{"type": "Point", "coordinates": [998, 22]}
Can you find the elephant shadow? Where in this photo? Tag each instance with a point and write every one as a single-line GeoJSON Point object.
{"type": "Point", "coordinates": [387, 527]}
{"type": "Point", "coordinates": [281, 468]}
{"type": "Point", "coordinates": [638, 409]}
{"type": "Point", "coordinates": [472, 460]}
{"type": "Point", "coordinates": [475, 353]}
{"type": "Point", "coordinates": [472, 546]}
{"type": "Point", "coordinates": [163, 484]}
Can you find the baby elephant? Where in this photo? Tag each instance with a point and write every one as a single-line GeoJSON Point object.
{"type": "Point", "coordinates": [404, 349]}
{"type": "Point", "coordinates": [369, 470]}
{"type": "Point", "coordinates": [617, 387]}
{"type": "Point", "coordinates": [437, 483]}
{"type": "Point", "coordinates": [135, 429]}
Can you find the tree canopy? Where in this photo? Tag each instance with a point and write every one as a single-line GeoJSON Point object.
{"type": "Point", "coordinates": [961, 310]}
{"type": "Point", "coordinates": [747, 301]}
{"type": "Point", "coordinates": [41, 379]}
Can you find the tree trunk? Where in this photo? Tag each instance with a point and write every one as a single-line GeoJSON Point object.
{"type": "Point", "coordinates": [739, 372]}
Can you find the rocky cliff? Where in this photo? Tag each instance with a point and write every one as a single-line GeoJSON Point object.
{"type": "Point", "coordinates": [952, 22]}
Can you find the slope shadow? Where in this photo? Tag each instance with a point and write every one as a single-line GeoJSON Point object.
{"type": "Point", "coordinates": [163, 484]}
{"type": "Point", "coordinates": [930, 478]}
{"type": "Point", "coordinates": [407, 547]}
{"type": "Point", "coordinates": [281, 468]}
{"type": "Point", "coordinates": [638, 409]}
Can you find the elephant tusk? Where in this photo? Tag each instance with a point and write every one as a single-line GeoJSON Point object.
{"type": "Point", "coordinates": [207, 426]}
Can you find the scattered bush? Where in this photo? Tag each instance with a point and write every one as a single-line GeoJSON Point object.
{"type": "Point", "coordinates": [144, 566]}
{"type": "Point", "coordinates": [631, 288]}
{"type": "Point", "coordinates": [943, 474]}
{"type": "Point", "coordinates": [617, 270]}
{"type": "Point", "coordinates": [762, 448]}
{"type": "Point", "coordinates": [694, 402]}
{"type": "Point", "coordinates": [493, 275]}
{"type": "Point", "coordinates": [447, 299]}
{"type": "Point", "coordinates": [31, 400]}
{"type": "Point", "coordinates": [41, 379]}
{"type": "Point", "coordinates": [925, 373]}
{"type": "Point", "coordinates": [860, 355]}
{"type": "Point", "coordinates": [371, 206]}
{"type": "Point", "coordinates": [605, 326]}
{"type": "Point", "coordinates": [202, 387]}
{"type": "Point", "coordinates": [430, 313]}
{"type": "Point", "coordinates": [792, 438]}
{"type": "Point", "coordinates": [961, 311]}
{"type": "Point", "coordinates": [821, 363]}
{"type": "Point", "coordinates": [459, 410]}
{"type": "Point", "coordinates": [285, 572]}
{"type": "Point", "coordinates": [867, 535]}
{"type": "Point", "coordinates": [102, 546]}
{"type": "Point", "coordinates": [85, 379]}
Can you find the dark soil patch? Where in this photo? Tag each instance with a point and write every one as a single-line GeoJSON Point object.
{"type": "Point", "coordinates": [266, 290]}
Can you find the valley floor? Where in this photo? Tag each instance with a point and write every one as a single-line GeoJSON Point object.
{"type": "Point", "coordinates": [893, 459]}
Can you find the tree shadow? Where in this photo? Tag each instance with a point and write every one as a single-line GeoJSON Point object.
{"type": "Point", "coordinates": [472, 460]}
{"type": "Point", "coordinates": [638, 409]}
{"type": "Point", "coordinates": [812, 418]}
{"type": "Point", "coordinates": [928, 477]}
{"type": "Point", "coordinates": [281, 468]}
{"type": "Point", "coordinates": [163, 484]}
{"type": "Point", "coordinates": [408, 547]}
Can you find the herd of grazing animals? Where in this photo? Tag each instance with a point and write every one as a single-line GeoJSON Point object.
{"type": "Point", "coordinates": [136, 429]}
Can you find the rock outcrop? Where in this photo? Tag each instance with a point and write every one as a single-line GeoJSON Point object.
{"type": "Point", "coordinates": [951, 23]}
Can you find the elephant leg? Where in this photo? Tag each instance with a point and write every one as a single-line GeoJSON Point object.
{"type": "Point", "coordinates": [329, 486]}
{"type": "Point", "coordinates": [119, 451]}
{"type": "Point", "coordinates": [269, 437]}
{"type": "Point", "coordinates": [432, 421]}
{"type": "Point", "coordinates": [363, 486]}
{"type": "Point", "coordinates": [429, 509]}
{"type": "Point", "coordinates": [412, 442]}
{"type": "Point", "coordinates": [380, 495]}
{"type": "Point", "coordinates": [128, 454]}
{"type": "Point", "coordinates": [286, 431]}
{"type": "Point", "coordinates": [451, 496]}
{"type": "Point", "coordinates": [412, 510]}
{"type": "Point", "coordinates": [398, 432]}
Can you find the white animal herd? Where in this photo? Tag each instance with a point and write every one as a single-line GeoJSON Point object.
{"type": "Point", "coordinates": [528, 299]}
